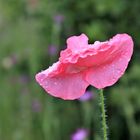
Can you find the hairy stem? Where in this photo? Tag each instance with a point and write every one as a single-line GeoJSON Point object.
{"type": "Point", "coordinates": [104, 125]}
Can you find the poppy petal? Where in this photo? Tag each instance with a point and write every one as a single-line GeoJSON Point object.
{"type": "Point", "coordinates": [62, 85]}
{"type": "Point", "coordinates": [77, 43]}
{"type": "Point", "coordinates": [109, 72]}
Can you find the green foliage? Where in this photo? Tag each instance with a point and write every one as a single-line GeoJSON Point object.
{"type": "Point", "coordinates": [27, 30]}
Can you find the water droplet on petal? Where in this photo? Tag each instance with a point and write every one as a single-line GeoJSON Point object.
{"type": "Point", "coordinates": [55, 83]}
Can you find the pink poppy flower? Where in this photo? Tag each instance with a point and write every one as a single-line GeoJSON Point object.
{"type": "Point", "coordinates": [81, 64]}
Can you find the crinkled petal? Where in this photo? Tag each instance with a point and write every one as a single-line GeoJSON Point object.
{"type": "Point", "coordinates": [109, 72]}
{"type": "Point", "coordinates": [94, 57]}
{"type": "Point", "coordinates": [77, 43]}
{"type": "Point", "coordinates": [97, 53]}
{"type": "Point", "coordinates": [62, 85]}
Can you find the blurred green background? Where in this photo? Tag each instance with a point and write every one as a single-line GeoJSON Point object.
{"type": "Point", "coordinates": [32, 33]}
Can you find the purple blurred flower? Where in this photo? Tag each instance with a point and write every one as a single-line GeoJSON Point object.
{"type": "Point", "coordinates": [58, 19]}
{"type": "Point", "coordinates": [80, 134]}
{"type": "Point", "coordinates": [52, 50]}
{"type": "Point", "coordinates": [87, 96]}
{"type": "Point", "coordinates": [24, 79]}
{"type": "Point", "coordinates": [36, 105]}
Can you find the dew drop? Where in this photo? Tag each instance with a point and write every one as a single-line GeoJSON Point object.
{"type": "Point", "coordinates": [55, 83]}
{"type": "Point", "coordinates": [120, 60]}
{"type": "Point", "coordinates": [119, 71]}
{"type": "Point", "coordinates": [113, 78]}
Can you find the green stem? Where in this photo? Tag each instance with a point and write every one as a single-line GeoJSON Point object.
{"type": "Point", "coordinates": [104, 125]}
